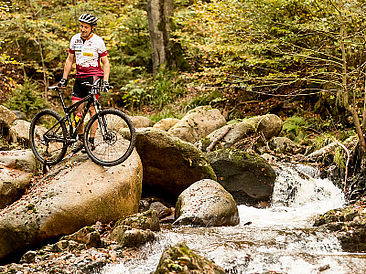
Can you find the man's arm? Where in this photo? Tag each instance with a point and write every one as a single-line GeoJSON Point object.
{"type": "Point", "coordinates": [68, 65]}
{"type": "Point", "coordinates": [106, 68]}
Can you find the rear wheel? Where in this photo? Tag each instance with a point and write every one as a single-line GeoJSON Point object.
{"type": "Point", "coordinates": [47, 136]}
{"type": "Point", "coordinates": [114, 138]}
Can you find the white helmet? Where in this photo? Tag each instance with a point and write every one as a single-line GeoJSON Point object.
{"type": "Point", "coordinates": [89, 19]}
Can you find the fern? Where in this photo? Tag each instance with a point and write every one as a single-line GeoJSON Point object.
{"type": "Point", "coordinates": [294, 124]}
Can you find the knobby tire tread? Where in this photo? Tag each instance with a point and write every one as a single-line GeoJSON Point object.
{"type": "Point", "coordinates": [32, 132]}
{"type": "Point", "coordinates": [132, 131]}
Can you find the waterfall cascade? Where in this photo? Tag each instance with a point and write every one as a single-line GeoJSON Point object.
{"type": "Point", "coordinates": [279, 238]}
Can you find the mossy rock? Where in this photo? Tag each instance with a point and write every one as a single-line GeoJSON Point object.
{"type": "Point", "coordinates": [248, 177]}
{"type": "Point", "coordinates": [181, 259]}
{"type": "Point", "coordinates": [348, 224]}
{"type": "Point", "coordinates": [170, 164]}
{"type": "Point", "coordinates": [145, 220]}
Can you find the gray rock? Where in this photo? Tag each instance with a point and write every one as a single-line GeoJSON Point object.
{"type": "Point", "coordinates": [28, 257]}
{"type": "Point", "coordinates": [19, 159]}
{"type": "Point", "coordinates": [135, 237]}
{"type": "Point", "coordinates": [141, 121]}
{"type": "Point", "coordinates": [161, 209]}
{"type": "Point", "coordinates": [166, 124]}
{"type": "Point", "coordinates": [19, 132]}
{"type": "Point", "coordinates": [270, 125]}
{"type": "Point", "coordinates": [16, 169]}
{"type": "Point", "coordinates": [180, 259]}
{"type": "Point", "coordinates": [87, 235]}
{"type": "Point", "coordinates": [73, 195]}
{"type": "Point", "coordinates": [146, 220]}
{"type": "Point", "coordinates": [7, 117]}
{"type": "Point", "coordinates": [135, 230]}
{"type": "Point", "coordinates": [170, 164]}
{"type": "Point", "coordinates": [227, 136]}
{"type": "Point", "coordinates": [206, 203]}
{"type": "Point", "coordinates": [12, 185]}
{"type": "Point", "coordinates": [283, 145]}
{"type": "Point", "coordinates": [19, 115]}
{"type": "Point", "coordinates": [249, 178]}
{"type": "Point", "coordinates": [198, 123]}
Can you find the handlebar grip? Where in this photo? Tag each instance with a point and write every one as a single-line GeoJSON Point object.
{"type": "Point", "coordinates": [87, 84]}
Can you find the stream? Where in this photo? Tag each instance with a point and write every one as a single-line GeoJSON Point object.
{"type": "Point", "coordinates": [277, 239]}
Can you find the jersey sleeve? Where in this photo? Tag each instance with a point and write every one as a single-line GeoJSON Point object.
{"type": "Point", "coordinates": [72, 45]}
{"type": "Point", "coordinates": [102, 50]}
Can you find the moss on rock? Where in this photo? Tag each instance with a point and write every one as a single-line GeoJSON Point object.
{"type": "Point", "coordinates": [181, 259]}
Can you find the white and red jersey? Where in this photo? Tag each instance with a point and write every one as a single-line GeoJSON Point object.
{"type": "Point", "coordinates": [87, 55]}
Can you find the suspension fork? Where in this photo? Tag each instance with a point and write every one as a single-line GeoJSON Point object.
{"type": "Point", "coordinates": [101, 119]}
{"type": "Point", "coordinates": [103, 126]}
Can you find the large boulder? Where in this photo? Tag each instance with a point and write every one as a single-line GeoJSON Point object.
{"type": "Point", "coordinates": [73, 195]}
{"type": "Point", "coordinates": [166, 123]}
{"type": "Point", "coordinates": [19, 132]}
{"type": "Point", "coordinates": [16, 169]}
{"type": "Point", "coordinates": [19, 159]}
{"type": "Point", "coordinates": [7, 117]}
{"type": "Point", "coordinates": [269, 125]}
{"type": "Point", "coordinates": [170, 164]}
{"type": "Point", "coordinates": [136, 229]}
{"type": "Point", "coordinates": [12, 185]}
{"type": "Point", "coordinates": [206, 203]}
{"type": "Point", "coordinates": [141, 121]}
{"type": "Point", "coordinates": [180, 259]}
{"type": "Point", "coordinates": [227, 136]}
{"type": "Point", "coordinates": [249, 178]}
{"type": "Point", "coordinates": [348, 225]}
{"type": "Point", "coordinates": [198, 123]}
{"type": "Point", "coordinates": [284, 145]}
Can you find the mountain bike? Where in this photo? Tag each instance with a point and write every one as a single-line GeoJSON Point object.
{"type": "Point", "coordinates": [50, 134]}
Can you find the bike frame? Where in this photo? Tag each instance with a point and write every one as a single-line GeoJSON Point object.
{"type": "Point", "coordinates": [90, 100]}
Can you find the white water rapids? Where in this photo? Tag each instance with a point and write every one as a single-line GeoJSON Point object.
{"type": "Point", "coordinates": [280, 238]}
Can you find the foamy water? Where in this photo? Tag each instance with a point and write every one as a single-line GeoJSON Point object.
{"type": "Point", "coordinates": [279, 238]}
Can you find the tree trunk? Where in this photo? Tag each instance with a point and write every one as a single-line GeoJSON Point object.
{"type": "Point", "coordinates": [159, 14]}
{"type": "Point", "coordinates": [351, 109]}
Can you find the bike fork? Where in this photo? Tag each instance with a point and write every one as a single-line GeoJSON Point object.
{"type": "Point", "coordinates": [103, 126]}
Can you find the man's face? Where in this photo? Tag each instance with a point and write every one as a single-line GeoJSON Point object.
{"type": "Point", "coordinates": [85, 30]}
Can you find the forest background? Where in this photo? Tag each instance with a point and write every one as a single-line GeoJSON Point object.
{"type": "Point", "coordinates": [302, 60]}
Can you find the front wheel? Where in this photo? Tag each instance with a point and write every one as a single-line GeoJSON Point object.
{"type": "Point", "coordinates": [47, 136]}
{"type": "Point", "coordinates": [114, 137]}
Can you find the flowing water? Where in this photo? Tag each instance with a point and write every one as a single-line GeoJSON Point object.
{"type": "Point", "coordinates": [279, 239]}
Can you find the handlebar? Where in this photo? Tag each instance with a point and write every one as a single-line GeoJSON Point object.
{"type": "Point", "coordinates": [95, 85]}
{"type": "Point", "coordinates": [87, 84]}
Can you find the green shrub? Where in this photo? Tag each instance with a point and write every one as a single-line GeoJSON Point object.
{"type": "Point", "coordinates": [293, 127]}
{"type": "Point", "coordinates": [158, 91]}
{"type": "Point", "coordinates": [27, 99]}
{"type": "Point", "coordinates": [212, 98]}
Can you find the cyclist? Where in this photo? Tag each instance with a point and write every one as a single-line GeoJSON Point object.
{"type": "Point", "coordinates": [88, 50]}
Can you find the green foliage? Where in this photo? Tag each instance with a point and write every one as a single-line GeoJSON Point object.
{"type": "Point", "coordinates": [206, 98]}
{"type": "Point", "coordinates": [134, 93]}
{"type": "Point", "coordinates": [274, 46]}
{"type": "Point", "coordinates": [36, 31]}
{"type": "Point", "coordinates": [170, 111]}
{"type": "Point", "coordinates": [293, 126]}
{"type": "Point", "coordinates": [26, 99]}
{"type": "Point", "coordinates": [157, 91]}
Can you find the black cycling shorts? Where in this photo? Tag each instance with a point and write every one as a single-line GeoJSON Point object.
{"type": "Point", "coordinates": [80, 91]}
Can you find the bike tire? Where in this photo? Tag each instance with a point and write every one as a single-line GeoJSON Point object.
{"type": "Point", "coordinates": [45, 124]}
{"type": "Point", "coordinates": [117, 144]}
